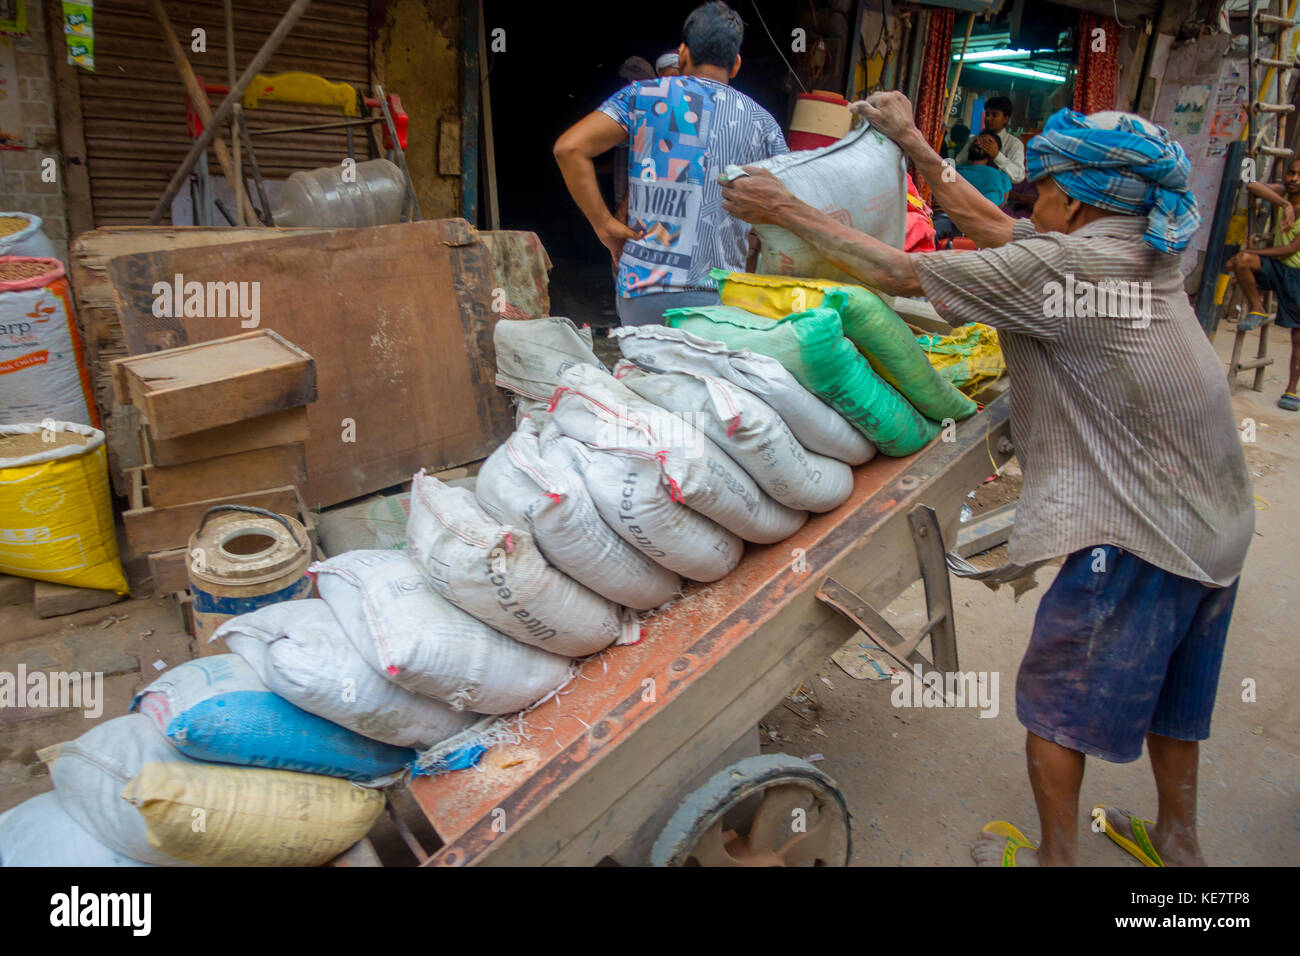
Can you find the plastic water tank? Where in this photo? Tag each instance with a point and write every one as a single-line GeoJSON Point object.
{"type": "Point", "coordinates": [367, 194]}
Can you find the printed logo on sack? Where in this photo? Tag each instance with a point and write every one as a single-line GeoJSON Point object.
{"type": "Point", "coordinates": [954, 689]}
{"type": "Point", "coordinates": [53, 690]}
{"type": "Point", "coordinates": [209, 300]}
{"type": "Point", "coordinates": [1107, 299]}
{"type": "Point", "coordinates": [75, 909]}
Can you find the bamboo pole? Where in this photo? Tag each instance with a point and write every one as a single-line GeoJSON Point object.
{"type": "Point", "coordinates": [952, 94]}
{"type": "Point", "coordinates": [227, 106]}
{"type": "Point", "coordinates": [235, 142]}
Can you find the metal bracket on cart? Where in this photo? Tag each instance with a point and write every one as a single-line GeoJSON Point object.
{"type": "Point", "coordinates": [932, 557]}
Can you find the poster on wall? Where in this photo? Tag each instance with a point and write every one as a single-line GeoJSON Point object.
{"type": "Point", "coordinates": [12, 134]}
{"type": "Point", "coordinates": [79, 29]}
{"type": "Point", "coordinates": [1189, 111]}
{"type": "Point", "coordinates": [13, 17]}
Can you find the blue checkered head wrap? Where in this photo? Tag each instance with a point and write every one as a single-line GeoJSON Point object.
{"type": "Point", "coordinates": [1122, 163]}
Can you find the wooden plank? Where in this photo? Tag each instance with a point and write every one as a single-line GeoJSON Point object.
{"type": "Point", "coordinates": [227, 475]}
{"type": "Point", "coordinates": [285, 427]}
{"type": "Point", "coordinates": [399, 321]}
{"type": "Point", "coordinates": [55, 600]}
{"type": "Point", "coordinates": [170, 571]}
{"type": "Point", "coordinates": [161, 529]}
{"type": "Point", "coordinates": [594, 763]}
{"type": "Point", "coordinates": [184, 390]}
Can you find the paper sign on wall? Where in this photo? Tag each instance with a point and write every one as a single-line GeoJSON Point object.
{"type": "Point", "coordinates": [12, 134]}
{"type": "Point", "coordinates": [79, 29]}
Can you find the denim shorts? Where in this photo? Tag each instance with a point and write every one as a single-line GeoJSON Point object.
{"type": "Point", "coordinates": [1121, 649]}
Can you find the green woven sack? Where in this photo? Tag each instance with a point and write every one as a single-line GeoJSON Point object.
{"type": "Point", "coordinates": [892, 350]}
{"type": "Point", "coordinates": [813, 347]}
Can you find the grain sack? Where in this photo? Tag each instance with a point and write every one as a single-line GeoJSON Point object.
{"type": "Point", "coordinates": [217, 709]}
{"type": "Point", "coordinates": [515, 486]}
{"type": "Point", "coordinates": [816, 425]}
{"type": "Point", "coordinates": [880, 335]}
{"type": "Point", "coordinates": [859, 181]}
{"type": "Point", "coordinates": [531, 353]}
{"type": "Point", "coordinates": [43, 373]}
{"type": "Point", "coordinates": [593, 407]}
{"type": "Point", "coordinates": [136, 794]}
{"type": "Point", "coordinates": [21, 235]}
{"type": "Point", "coordinates": [496, 573]}
{"type": "Point", "coordinates": [632, 495]}
{"type": "Point", "coordinates": [813, 347]}
{"type": "Point", "coordinates": [56, 516]}
{"type": "Point", "coordinates": [377, 523]}
{"type": "Point", "coordinates": [409, 634]}
{"type": "Point", "coordinates": [749, 431]}
{"type": "Point", "coordinates": [300, 651]}
{"type": "Point", "coordinates": [39, 832]}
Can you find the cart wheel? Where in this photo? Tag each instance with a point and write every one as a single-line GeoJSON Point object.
{"type": "Point", "coordinates": [799, 818]}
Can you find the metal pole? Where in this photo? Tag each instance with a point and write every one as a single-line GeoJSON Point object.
{"type": "Point", "coordinates": [223, 112]}
{"type": "Point", "coordinates": [238, 184]}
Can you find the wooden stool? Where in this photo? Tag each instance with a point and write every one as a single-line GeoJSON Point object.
{"type": "Point", "coordinates": [1234, 306]}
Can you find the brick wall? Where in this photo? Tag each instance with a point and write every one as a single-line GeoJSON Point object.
{"type": "Point", "coordinates": [21, 188]}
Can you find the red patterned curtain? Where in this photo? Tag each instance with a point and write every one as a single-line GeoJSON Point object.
{"type": "Point", "coordinates": [1094, 82]}
{"type": "Point", "coordinates": [932, 95]}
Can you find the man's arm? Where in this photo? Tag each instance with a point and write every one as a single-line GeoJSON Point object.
{"type": "Point", "coordinates": [762, 198]}
{"type": "Point", "coordinates": [974, 215]}
{"type": "Point", "coordinates": [574, 151]}
{"type": "Point", "coordinates": [1279, 252]}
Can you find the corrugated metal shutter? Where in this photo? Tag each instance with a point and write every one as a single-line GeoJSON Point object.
{"type": "Point", "coordinates": [133, 105]}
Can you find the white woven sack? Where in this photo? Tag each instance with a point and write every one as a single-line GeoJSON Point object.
{"type": "Point", "coordinates": [750, 431]}
{"type": "Point", "coordinates": [515, 486]}
{"type": "Point", "coordinates": [301, 652]}
{"type": "Point", "coordinates": [89, 774]}
{"type": "Point", "coordinates": [594, 407]}
{"type": "Point", "coordinates": [816, 425]}
{"type": "Point", "coordinates": [39, 832]}
{"type": "Point", "coordinates": [632, 495]}
{"type": "Point", "coordinates": [409, 634]}
{"type": "Point", "coordinates": [496, 573]}
{"type": "Point", "coordinates": [531, 353]}
{"type": "Point", "coordinates": [859, 180]}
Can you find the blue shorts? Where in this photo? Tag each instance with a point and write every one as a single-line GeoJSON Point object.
{"type": "Point", "coordinates": [1284, 281]}
{"type": "Point", "coordinates": [1121, 649]}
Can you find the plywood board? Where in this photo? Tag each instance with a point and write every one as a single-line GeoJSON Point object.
{"type": "Point", "coordinates": [196, 387]}
{"type": "Point", "coordinates": [399, 321]}
{"type": "Point", "coordinates": [266, 431]}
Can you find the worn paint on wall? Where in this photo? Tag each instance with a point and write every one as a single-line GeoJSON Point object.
{"type": "Point", "coordinates": [416, 52]}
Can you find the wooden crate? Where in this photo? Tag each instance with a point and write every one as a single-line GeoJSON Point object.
{"type": "Point", "coordinates": [150, 529]}
{"type": "Point", "coordinates": [286, 427]}
{"type": "Point", "coordinates": [227, 475]}
{"type": "Point", "coordinates": [196, 387]}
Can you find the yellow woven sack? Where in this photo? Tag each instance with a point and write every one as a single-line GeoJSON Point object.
{"type": "Point", "coordinates": [56, 518]}
{"type": "Point", "coordinates": [773, 297]}
{"type": "Point", "coordinates": [969, 358]}
{"type": "Point", "coordinates": [215, 815]}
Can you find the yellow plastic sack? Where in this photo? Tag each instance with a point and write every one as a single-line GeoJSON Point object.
{"type": "Point", "coordinates": [56, 518]}
{"type": "Point", "coordinates": [214, 815]}
{"type": "Point", "coordinates": [969, 358]}
{"type": "Point", "coordinates": [774, 297]}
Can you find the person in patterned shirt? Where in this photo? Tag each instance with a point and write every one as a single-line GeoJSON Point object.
{"type": "Point", "coordinates": [682, 132]}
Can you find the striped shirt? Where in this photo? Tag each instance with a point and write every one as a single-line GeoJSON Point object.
{"type": "Point", "coordinates": [1120, 409]}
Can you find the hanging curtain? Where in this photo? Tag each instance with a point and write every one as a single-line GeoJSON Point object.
{"type": "Point", "coordinates": [1098, 70]}
{"type": "Point", "coordinates": [932, 95]}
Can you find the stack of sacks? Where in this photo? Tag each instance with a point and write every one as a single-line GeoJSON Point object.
{"type": "Point", "coordinates": [126, 795]}
{"type": "Point", "coordinates": [843, 344]}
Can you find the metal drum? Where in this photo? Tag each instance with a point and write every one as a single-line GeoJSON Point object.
{"type": "Point", "coordinates": [241, 559]}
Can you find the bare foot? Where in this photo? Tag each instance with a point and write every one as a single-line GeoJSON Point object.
{"type": "Point", "coordinates": [988, 850]}
{"type": "Point", "coordinates": [1173, 851]}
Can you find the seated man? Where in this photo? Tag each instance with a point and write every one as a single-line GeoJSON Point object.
{"type": "Point", "coordinates": [980, 171]}
{"type": "Point", "coordinates": [1276, 268]}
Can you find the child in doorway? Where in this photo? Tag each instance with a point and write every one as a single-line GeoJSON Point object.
{"type": "Point", "coordinates": [1277, 269]}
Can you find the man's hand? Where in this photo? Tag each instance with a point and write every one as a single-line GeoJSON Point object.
{"type": "Point", "coordinates": [754, 198]}
{"type": "Point", "coordinates": [613, 234]}
{"type": "Point", "coordinates": [989, 143]}
{"type": "Point", "coordinates": [891, 113]}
